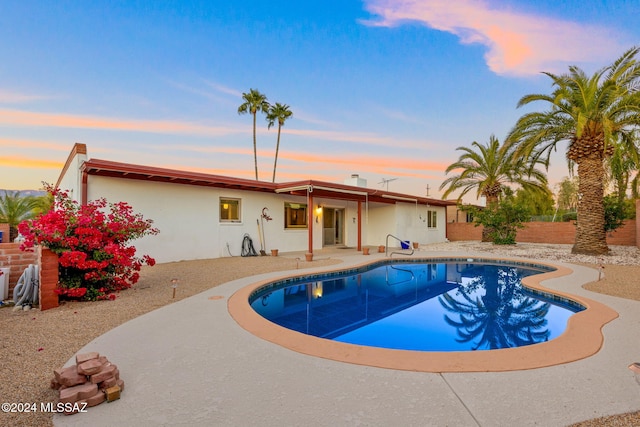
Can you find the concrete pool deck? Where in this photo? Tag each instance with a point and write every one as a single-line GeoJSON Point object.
{"type": "Point", "coordinates": [190, 363]}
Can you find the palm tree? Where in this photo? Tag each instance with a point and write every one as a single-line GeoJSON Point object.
{"type": "Point", "coordinates": [588, 112]}
{"type": "Point", "coordinates": [254, 101]}
{"type": "Point", "coordinates": [281, 113]}
{"type": "Point", "coordinates": [15, 208]}
{"type": "Point", "coordinates": [488, 169]}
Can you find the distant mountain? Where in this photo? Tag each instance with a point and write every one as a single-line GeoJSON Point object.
{"type": "Point", "coordinates": [24, 192]}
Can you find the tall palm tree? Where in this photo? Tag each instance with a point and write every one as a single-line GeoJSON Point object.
{"type": "Point", "coordinates": [254, 101]}
{"type": "Point", "coordinates": [281, 113]}
{"type": "Point", "coordinates": [15, 208]}
{"type": "Point", "coordinates": [488, 169]}
{"type": "Point", "coordinates": [588, 112]}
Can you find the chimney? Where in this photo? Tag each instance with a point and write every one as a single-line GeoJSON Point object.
{"type": "Point", "coordinates": [356, 181]}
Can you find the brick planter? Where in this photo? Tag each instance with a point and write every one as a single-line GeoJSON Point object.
{"type": "Point", "coordinates": [48, 262]}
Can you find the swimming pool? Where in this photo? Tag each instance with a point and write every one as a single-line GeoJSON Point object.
{"type": "Point", "coordinates": [582, 338]}
{"type": "Point", "coordinates": [443, 306]}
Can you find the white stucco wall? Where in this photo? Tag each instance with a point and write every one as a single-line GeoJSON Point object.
{"type": "Point", "coordinates": [180, 212]}
{"type": "Point", "coordinates": [405, 221]}
{"type": "Point", "coordinates": [71, 181]}
{"type": "Point", "coordinates": [188, 219]}
{"type": "Point", "coordinates": [381, 220]}
{"type": "Point", "coordinates": [412, 222]}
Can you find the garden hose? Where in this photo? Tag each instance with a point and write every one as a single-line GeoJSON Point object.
{"type": "Point", "coordinates": [26, 290]}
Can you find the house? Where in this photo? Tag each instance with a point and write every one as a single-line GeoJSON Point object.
{"type": "Point", "coordinates": [204, 216]}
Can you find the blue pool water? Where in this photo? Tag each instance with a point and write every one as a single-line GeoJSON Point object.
{"type": "Point", "coordinates": [419, 306]}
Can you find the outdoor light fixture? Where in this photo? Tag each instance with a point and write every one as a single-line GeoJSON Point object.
{"type": "Point", "coordinates": [319, 210]}
{"type": "Point", "coordinates": [174, 286]}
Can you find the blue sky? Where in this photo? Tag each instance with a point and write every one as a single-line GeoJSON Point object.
{"type": "Point", "coordinates": [386, 89]}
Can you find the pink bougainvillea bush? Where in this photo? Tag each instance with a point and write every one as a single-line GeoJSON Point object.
{"type": "Point", "coordinates": [92, 243]}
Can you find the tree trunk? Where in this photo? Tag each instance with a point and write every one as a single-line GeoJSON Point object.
{"type": "Point", "coordinates": [275, 162]}
{"type": "Point", "coordinates": [255, 148]}
{"type": "Point", "coordinates": [486, 234]}
{"type": "Point", "coordinates": [487, 231]}
{"type": "Point", "coordinates": [591, 238]}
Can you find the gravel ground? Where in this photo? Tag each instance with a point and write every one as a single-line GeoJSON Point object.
{"type": "Point", "coordinates": [34, 343]}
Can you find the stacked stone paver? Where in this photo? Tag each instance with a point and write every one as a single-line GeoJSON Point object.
{"type": "Point", "coordinates": [92, 380]}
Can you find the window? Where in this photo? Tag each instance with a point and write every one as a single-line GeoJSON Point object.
{"type": "Point", "coordinates": [469, 216]}
{"type": "Point", "coordinates": [432, 219]}
{"type": "Point", "coordinates": [295, 215]}
{"type": "Point", "coordinates": [229, 210]}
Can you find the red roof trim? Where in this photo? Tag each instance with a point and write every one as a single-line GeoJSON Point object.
{"type": "Point", "coordinates": [326, 189]}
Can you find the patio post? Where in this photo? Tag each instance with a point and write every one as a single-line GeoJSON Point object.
{"type": "Point", "coordinates": [310, 222]}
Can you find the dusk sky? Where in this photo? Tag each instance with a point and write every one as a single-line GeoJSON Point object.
{"type": "Point", "coordinates": [382, 88]}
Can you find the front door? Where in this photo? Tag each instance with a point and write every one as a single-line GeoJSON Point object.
{"type": "Point", "coordinates": [333, 226]}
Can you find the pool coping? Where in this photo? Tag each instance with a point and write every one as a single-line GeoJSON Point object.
{"type": "Point", "coordinates": [582, 338]}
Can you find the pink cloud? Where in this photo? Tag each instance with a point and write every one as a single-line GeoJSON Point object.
{"type": "Point", "coordinates": [23, 162]}
{"type": "Point", "coordinates": [365, 160]}
{"type": "Point", "coordinates": [224, 89]}
{"type": "Point", "coordinates": [361, 161]}
{"type": "Point", "coordinates": [358, 137]}
{"type": "Point", "coordinates": [293, 165]}
{"type": "Point", "coordinates": [9, 97]}
{"type": "Point", "coordinates": [25, 143]}
{"type": "Point", "coordinates": [369, 164]}
{"type": "Point", "coordinates": [27, 118]}
{"type": "Point", "coordinates": [60, 120]}
{"type": "Point", "coordinates": [517, 43]}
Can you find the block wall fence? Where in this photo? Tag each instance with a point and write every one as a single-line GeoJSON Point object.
{"type": "Point", "coordinates": [11, 256]}
{"type": "Point", "coordinates": [546, 232]}
{"type": "Point", "coordinates": [551, 232]}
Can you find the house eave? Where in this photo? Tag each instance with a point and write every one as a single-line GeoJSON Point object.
{"type": "Point", "coordinates": [320, 189]}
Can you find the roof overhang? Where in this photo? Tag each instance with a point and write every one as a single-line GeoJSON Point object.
{"type": "Point", "coordinates": [319, 189]}
{"type": "Point", "coordinates": [148, 173]}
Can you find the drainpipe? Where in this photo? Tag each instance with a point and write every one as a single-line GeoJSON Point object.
{"type": "Point", "coordinates": [359, 225]}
